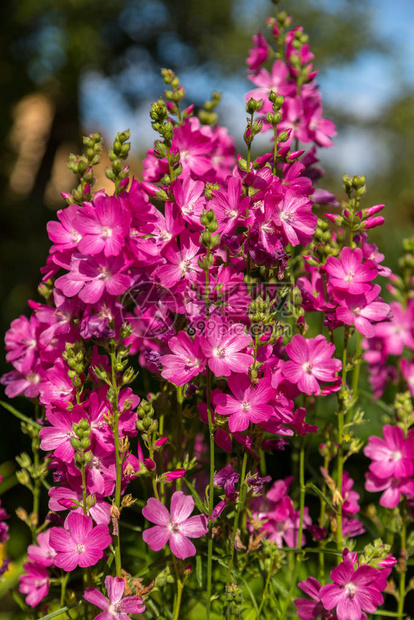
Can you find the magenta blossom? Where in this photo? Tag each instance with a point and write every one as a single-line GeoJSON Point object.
{"type": "Point", "coordinates": [116, 607]}
{"type": "Point", "coordinates": [310, 362]}
{"type": "Point", "coordinates": [103, 224]}
{"type": "Point", "coordinates": [175, 528]}
{"type": "Point", "coordinates": [247, 404]}
{"type": "Point", "coordinates": [78, 543]}
{"type": "Point", "coordinates": [392, 456]}
{"type": "Point", "coordinates": [294, 215]}
{"type": "Point", "coordinates": [353, 591]}
{"type": "Point", "coordinates": [348, 273]}
{"type": "Point", "coordinates": [313, 607]}
{"type": "Point", "coordinates": [187, 360]}
{"type": "Point", "coordinates": [223, 348]}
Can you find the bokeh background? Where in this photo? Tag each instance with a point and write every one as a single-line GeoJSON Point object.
{"type": "Point", "coordinates": [78, 66]}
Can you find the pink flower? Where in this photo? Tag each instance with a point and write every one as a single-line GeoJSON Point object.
{"type": "Point", "coordinates": [176, 528]}
{"type": "Point", "coordinates": [310, 363]}
{"type": "Point", "coordinates": [91, 276]}
{"type": "Point", "coordinates": [116, 607]}
{"type": "Point", "coordinates": [352, 592]}
{"type": "Point", "coordinates": [34, 583]}
{"type": "Point", "coordinates": [42, 553]}
{"type": "Point", "coordinates": [57, 436]}
{"type": "Point", "coordinates": [349, 274]}
{"type": "Point", "coordinates": [362, 310]}
{"type": "Point", "coordinates": [392, 456]}
{"type": "Point", "coordinates": [182, 262]}
{"type": "Point", "coordinates": [393, 489]}
{"type": "Point", "coordinates": [259, 53]}
{"type": "Point", "coordinates": [398, 332]}
{"type": "Point", "coordinates": [247, 405]}
{"type": "Point", "coordinates": [294, 215]}
{"type": "Point", "coordinates": [189, 197]}
{"type": "Point", "coordinates": [78, 543]}
{"type": "Point", "coordinates": [64, 233]}
{"type": "Point", "coordinates": [103, 224]}
{"type": "Point", "coordinates": [312, 608]}
{"type": "Point", "coordinates": [222, 348]}
{"type": "Point", "coordinates": [187, 361]}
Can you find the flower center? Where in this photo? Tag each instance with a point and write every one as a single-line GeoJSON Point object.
{"type": "Point", "coordinates": [80, 548]}
{"type": "Point", "coordinates": [219, 352]}
{"type": "Point", "coordinates": [396, 455]}
{"type": "Point", "coordinates": [286, 216]}
{"type": "Point", "coordinates": [173, 527]}
{"type": "Point", "coordinates": [350, 276]}
{"type": "Point", "coordinates": [246, 406]}
{"type": "Point", "coordinates": [106, 231]}
{"type": "Point", "coordinates": [185, 264]}
{"type": "Point", "coordinates": [350, 590]}
{"type": "Point", "coordinates": [307, 367]}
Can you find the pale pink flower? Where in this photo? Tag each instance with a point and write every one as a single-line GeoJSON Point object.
{"type": "Point", "coordinates": [42, 553]}
{"type": "Point", "coordinates": [175, 528]}
{"type": "Point", "coordinates": [392, 456]}
{"type": "Point", "coordinates": [115, 607]}
{"type": "Point", "coordinates": [34, 582]}
{"type": "Point", "coordinates": [187, 360]}
{"type": "Point", "coordinates": [311, 362]}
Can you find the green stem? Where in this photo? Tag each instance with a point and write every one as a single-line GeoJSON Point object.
{"type": "Point", "coordinates": [210, 496]}
{"type": "Point", "coordinates": [275, 150]}
{"type": "Point", "coordinates": [302, 493]}
{"type": "Point", "coordinates": [340, 467]}
{"type": "Point", "coordinates": [63, 583]}
{"type": "Point", "coordinates": [83, 489]}
{"type": "Point", "coordinates": [236, 517]}
{"type": "Point", "coordinates": [180, 422]}
{"type": "Point", "coordinates": [37, 482]}
{"type": "Point", "coordinates": [355, 376]}
{"type": "Point", "coordinates": [403, 556]}
{"type": "Point", "coordinates": [322, 524]}
{"type": "Point", "coordinates": [264, 595]}
{"type": "Point", "coordinates": [180, 587]}
{"type": "Point", "coordinates": [117, 542]}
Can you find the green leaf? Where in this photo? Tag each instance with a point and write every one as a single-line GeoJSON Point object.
{"type": "Point", "coordinates": [19, 415]}
{"type": "Point", "coordinates": [196, 496]}
{"type": "Point", "coordinates": [318, 492]}
{"type": "Point", "coordinates": [8, 483]}
{"type": "Point", "coordinates": [199, 571]}
{"type": "Point", "coordinates": [251, 596]}
{"type": "Point", "coordinates": [60, 611]}
{"type": "Point", "coordinates": [18, 599]}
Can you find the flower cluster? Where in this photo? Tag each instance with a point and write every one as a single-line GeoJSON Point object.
{"type": "Point", "coordinates": [175, 365]}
